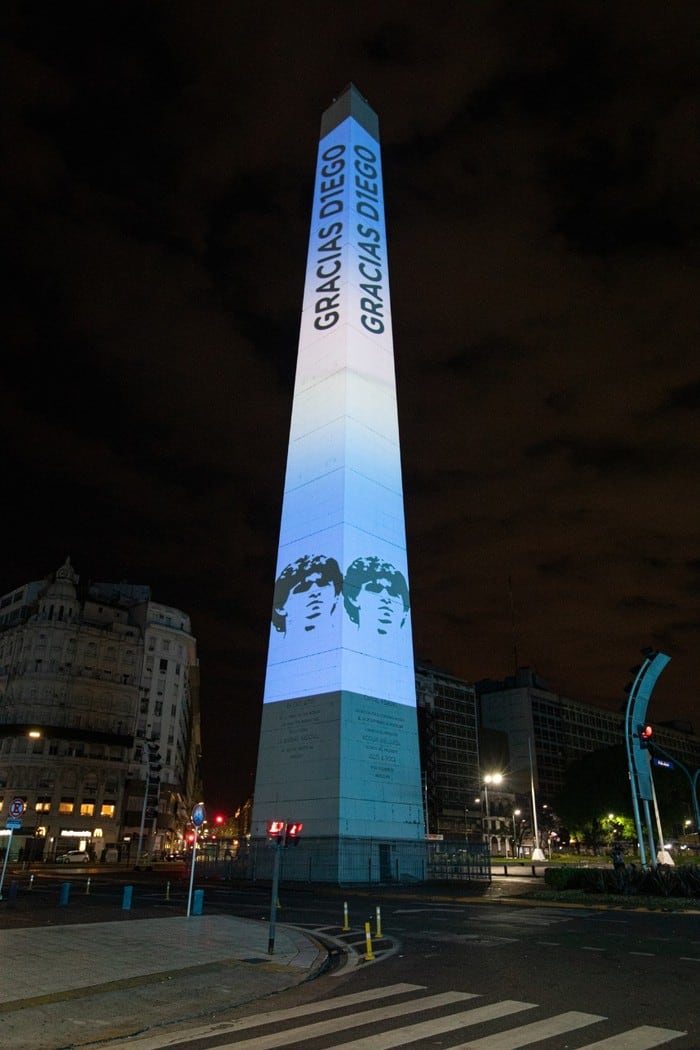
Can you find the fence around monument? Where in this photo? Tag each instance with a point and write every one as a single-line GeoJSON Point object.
{"type": "Point", "coordinates": [356, 861]}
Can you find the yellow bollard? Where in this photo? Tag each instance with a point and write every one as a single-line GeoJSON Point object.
{"type": "Point", "coordinates": [379, 922]}
{"type": "Point", "coordinates": [346, 924]}
{"type": "Point", "coordinates": [369, 956]}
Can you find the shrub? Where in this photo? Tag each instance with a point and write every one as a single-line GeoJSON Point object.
{"type": "Point", "coordinates": [662, 881]}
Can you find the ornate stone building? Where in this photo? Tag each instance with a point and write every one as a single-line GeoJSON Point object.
{"type": "Point", "coordinates": [87, 679]}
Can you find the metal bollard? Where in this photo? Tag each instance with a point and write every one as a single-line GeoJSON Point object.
{"type": "Point", "coordinates": [346, 924]}
{"type": "Point", "coordinates": [198, 902]}
{"type": "Point", "coordinates": [126, 898]}
{"type": "Point", "coordinates": [87, 885]}
{"type": "Point", "coordinates": [167, 891]}
{"type": "Point", "coordinates": [31, 882]}
{"type": "Point", "coordinates": [379, 922]}
{"type": "Point", "coordinates": [14, 890]}
{"type": "Point", "coordinates": [64, 893]}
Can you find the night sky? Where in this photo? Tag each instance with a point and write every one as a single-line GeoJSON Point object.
{"type": "Point", "coordinates": [541, 173]}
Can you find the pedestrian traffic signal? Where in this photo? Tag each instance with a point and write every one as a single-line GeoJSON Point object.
{"type": "Point", "coordinates": [275, 828]}
{"type": "Point", "coordinates": [293, 833]}
{"type": "Point", "coordinates": [645, 734]}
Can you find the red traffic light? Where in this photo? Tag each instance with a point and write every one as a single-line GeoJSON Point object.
{"type": "Point", "coordinates": [294, 830]}
{"type": "Point", "coordinates": [219, 818]}
{"type": "Point", "coordinates": [645, 734]}
{"type": "Point", "coordinates": [275, 828]}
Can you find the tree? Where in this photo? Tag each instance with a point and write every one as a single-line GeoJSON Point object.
{"type": "Point", "coordinates": [594, 786]}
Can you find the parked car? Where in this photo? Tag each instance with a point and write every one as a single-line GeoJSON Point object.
{"type": "Point", "coordinates": [74, 856]}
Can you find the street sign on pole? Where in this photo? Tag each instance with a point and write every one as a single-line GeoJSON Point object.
{"type": "Point", "coordinates": [12, 824]}
{"type": "Point", "coordinates": [16, 807]}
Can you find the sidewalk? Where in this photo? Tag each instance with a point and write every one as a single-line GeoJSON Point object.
{"type": "Point", "coordinates": [72, 985]}
{"type": "Point", "coordinates": [89, 973]}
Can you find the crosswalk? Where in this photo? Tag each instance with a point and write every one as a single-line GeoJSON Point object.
{"type": "Point", "coordinates": [397, 1015]}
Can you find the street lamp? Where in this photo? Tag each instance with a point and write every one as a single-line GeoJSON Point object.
{"type": "Point", "coordinates": [516, 813]}
{"type": "Point", "coordinates": [490, 778]}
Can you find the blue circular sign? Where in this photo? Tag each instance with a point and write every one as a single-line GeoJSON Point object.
{"type": "Point", "coordinates": [199, 815]}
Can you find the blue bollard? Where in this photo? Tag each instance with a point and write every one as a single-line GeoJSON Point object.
{"type": "Point", "coordinates": [64, 893]}
{"type": "Point", "coordinates": [198, 902]}
{"type": "Point", "coordinates": [14, 889]}
{"type": "Point", "coordinates": [126, 899]}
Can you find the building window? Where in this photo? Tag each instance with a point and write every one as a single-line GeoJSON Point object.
{"type": "Point", "coordinates": [163, 666]}
{"type": "Point", "coordinates": [43, 804]}
{"type": "Point", "coordinates": [108, 809]}
{"type": "Point", "coordinates": [66, 805]}
{"type": "Point", "coordinates": [87, 809]}
{"type": "Point", "coordinates": [158, 707]}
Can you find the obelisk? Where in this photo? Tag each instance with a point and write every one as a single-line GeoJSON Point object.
{"type": "Point", "coordinates": [339, 740]}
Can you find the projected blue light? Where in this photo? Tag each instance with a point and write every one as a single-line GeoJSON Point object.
{"type": "Point", "coordinates": [341, 610]}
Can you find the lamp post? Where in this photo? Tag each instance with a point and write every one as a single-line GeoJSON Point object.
{"type": "Point", "coordinates": [516, 813]}
{"type": "Point", "coordinates": [490, 778]}
{"type": "Point", "coordinates": [537, 853]}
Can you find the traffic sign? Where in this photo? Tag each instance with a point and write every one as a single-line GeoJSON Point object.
{"type": "Point", "coordinates": [17, 807]}
{"type": "Point", "coordinates": [12, 824]}
{"type": "Point", "coordinates": [199, 815]}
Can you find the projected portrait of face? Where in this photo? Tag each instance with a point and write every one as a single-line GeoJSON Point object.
{"type": "Point", "coordinates": [306, 595]}
{"type": "Point", "coordinates": [375, 595]}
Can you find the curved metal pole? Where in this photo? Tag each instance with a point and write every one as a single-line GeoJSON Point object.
{"type": "Point", "coordinates": [637, 758]}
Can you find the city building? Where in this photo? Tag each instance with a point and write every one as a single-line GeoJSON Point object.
{"type": "Point", "coordinates": [89, 678]}
{"type": "Point", "coordinates": [449, 750]}
{"type": "Point", "coordinates": [546, 732]}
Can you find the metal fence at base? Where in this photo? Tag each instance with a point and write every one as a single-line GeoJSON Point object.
{"type": "Point", "coordinates": [357, 860]}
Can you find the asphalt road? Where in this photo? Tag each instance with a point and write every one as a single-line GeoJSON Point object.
{"type": "Point", "coordinates": [634, 972]}
{"type": "Point", "coordinates": [624, 980]}
{"type": "Point", "coordinates": [461, 973]}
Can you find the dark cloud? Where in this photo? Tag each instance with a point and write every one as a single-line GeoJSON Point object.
{"type": "Point", "coordinates": [540, 168]}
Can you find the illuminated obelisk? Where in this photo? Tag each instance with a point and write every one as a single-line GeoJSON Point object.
{"type": "Point", "coordinates": [339, 741]}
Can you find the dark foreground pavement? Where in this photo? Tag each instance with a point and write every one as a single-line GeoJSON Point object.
{"type": "Point", "coordinates": [73, 984]}
{"type": "Point", "coordinates": [90, 973]}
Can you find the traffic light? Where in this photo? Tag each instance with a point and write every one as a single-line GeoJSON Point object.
{"type": "Point", "coordinates": [275, 829]}
{"type": "Point", "coordinates": [219, 819]}
{"type": "Point", "coordinates": [644, 734]}
{"type": "Point", "coordinates": [293, 833]}
{"type": "Point", "coordinates": [283, 833]}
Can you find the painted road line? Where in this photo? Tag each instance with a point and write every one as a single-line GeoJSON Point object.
{"type": "Point", "coordinates": [526, 1034]}
{"type": "Point", "coordinates": [643, 1038]}
{"type": "Point", "coordinates": [341, 1024]}
{"type": "Point", "coordinates": [439, 1026]}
